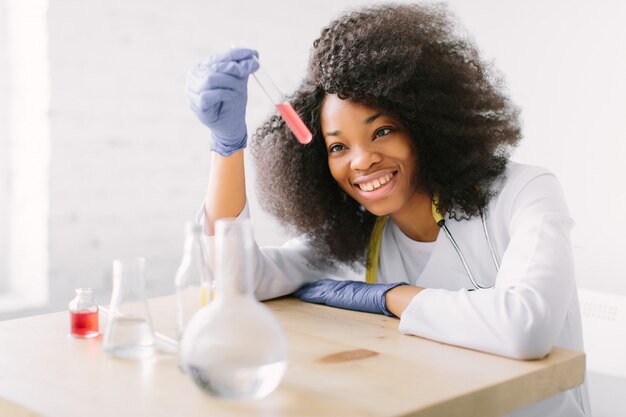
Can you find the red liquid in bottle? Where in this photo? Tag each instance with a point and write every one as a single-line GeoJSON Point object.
{"type": "Point", "coordinates": [84, 324]}
{"type": "Point", "coordinates": [295, 123]}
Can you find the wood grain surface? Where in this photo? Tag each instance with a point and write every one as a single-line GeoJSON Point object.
{"type": "Point", "coordinates": [341, 363]}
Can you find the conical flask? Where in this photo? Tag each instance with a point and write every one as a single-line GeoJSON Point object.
{"type": "Point", "coordinates": [129, 332]}
{"type": "Point", "coordinates": [234, 348]}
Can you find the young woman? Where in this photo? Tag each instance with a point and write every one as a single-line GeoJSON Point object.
{"type": "Point", "coordinates": [406, 185]}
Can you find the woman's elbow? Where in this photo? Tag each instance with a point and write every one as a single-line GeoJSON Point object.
{"type": "Point", "coordinates": [529, 342]}
{"type": "Point", "coordinates": [531, 326]}
{"type": "Point", "coordinates": [528, 350]}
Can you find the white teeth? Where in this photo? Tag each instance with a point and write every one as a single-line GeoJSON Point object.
{"type": "Point", "coordinates": [377, 183]}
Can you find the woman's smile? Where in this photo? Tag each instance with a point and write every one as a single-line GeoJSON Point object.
{"type": "Point", "coordinates": [375, 186]}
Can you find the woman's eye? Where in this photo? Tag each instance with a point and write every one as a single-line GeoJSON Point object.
{"type": "Point", "coordinates": [336, 147]}
{"type": "Point", "coordinates": [382, 132]}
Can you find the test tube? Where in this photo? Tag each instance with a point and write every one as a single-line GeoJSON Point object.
{"type": "Point", "coordinates": [286, 110]}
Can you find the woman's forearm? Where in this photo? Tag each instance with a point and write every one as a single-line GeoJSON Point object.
{"type": "Point", "coordinates": [226, 193]}
{"type": "Point", "coordinates": [399, 298]}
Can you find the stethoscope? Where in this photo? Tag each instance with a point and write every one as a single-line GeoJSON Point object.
{"type": "Point", "coordinates": [442, 224]}
{"type": "Point", "coordinates": [376, 239]}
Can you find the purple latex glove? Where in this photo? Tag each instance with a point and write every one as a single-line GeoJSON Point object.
{"type": "Point", "coordinates": [217, 92]}
{"type": "Point", "coordinates": [351, 295]}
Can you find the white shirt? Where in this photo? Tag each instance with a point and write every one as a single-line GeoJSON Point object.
{"type": "Point", "coordinates": [414, 255]}
{"type": "Point", "coordinates": [533, 306]}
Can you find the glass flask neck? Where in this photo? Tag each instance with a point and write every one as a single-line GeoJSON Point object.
{"type": "Point", "coordinates": [193, 239]}
{"type": "Point", "coordinates": [233, 239]}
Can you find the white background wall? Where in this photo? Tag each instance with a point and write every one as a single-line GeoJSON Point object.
{"type": "Point", "coordinates": [129, 162]}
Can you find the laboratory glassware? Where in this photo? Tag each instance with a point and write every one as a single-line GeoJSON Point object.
{"type": "Point", "coordinates": [83, 310]}
{"type": "Point", "coordinates": [234, 348]}
{"type": "Point", "coordinates": [286, 110]}
{"type": "Point", "coordinates": [129, 333]}
{"type": "Point", "coordinates": [193, 278]}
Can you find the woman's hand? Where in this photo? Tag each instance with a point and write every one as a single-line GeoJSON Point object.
{"type": "Point", "coordinates": [351, 295]}
{"type": "Point", "coordinates": [217, 92]}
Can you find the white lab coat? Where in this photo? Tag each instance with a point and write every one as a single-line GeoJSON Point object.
{"type": "Point", "coordinates": [533, 306]}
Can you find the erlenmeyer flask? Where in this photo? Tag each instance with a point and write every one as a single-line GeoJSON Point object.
{"type": "Point", "coordinates": [234, 348]}
{"type": "Point", "coordinates": [129, 333]}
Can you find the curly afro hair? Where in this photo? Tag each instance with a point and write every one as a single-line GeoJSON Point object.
{"type": "Point", "coordinates": [414, 63]}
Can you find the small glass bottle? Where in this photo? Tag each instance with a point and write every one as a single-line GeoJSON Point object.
{"type": "Point", "coordinates": [234, 348]}
{"type": "Point", "coordinates": [84, 321]}
{"type": "Point", "coordinates": [192, 278]}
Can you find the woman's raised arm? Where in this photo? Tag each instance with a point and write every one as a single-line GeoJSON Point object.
{"type": "Point", "coordinates": [217, 92]}
{"type": "Point", "coordinates": [226, 193]}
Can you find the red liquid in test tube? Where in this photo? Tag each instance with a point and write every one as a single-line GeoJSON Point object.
{"type": "Point", "coordinates": [295, 123]}
{"type": "Point", "coordinates": [84, 324]}
{"type": "Point", "coordinates": [286, 110]}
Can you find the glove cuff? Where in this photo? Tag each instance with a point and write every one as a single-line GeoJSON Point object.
{"type": "Point", "coordinates": [382, 297]}
{"type": "Point", "coordinates": [227, 147]}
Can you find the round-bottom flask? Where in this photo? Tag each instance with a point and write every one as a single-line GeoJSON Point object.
{"type": "Point", "coordinates": [234, 348]}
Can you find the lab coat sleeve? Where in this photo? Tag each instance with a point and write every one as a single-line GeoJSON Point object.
{"type": "Point", "coordinates": [276, 270]}
{"type": "Point", "coordinates": [523, 314]}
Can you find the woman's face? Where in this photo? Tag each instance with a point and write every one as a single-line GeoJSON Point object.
{"type": "Point", "coordinates": [370, 155]}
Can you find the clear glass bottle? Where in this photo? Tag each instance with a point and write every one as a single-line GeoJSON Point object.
{"type": "Point", "coordinates": [129, 333]}
{"type": "Point", "coordinates": [192, 281]}
{"type": "Point", "coordinates": [83, 309]}
{"type": "Point", "coordinates": [235, 347]}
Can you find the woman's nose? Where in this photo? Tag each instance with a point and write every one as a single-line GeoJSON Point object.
{"type": "Point", "coordinates": [363, 158]}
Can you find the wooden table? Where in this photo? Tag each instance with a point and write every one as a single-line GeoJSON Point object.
{"type": "Point", "coordinates": [341, 363]}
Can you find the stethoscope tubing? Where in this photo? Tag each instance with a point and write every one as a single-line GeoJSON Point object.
{"type": "Point", "coordinates": [494, 256]}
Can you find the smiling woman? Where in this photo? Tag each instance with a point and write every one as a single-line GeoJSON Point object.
{"type": "Point", "coordinates": [411, 137]}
